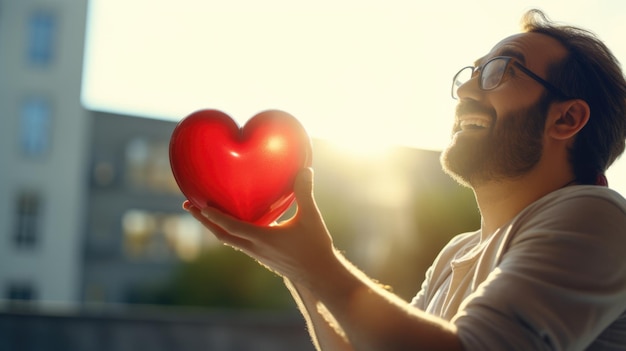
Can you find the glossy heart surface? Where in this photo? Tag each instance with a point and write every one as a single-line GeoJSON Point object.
{"type": "Point", "coordinates": [247, 172]}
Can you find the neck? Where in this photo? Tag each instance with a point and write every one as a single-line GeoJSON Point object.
{"type": "Point", "coordinates": [500, 201]}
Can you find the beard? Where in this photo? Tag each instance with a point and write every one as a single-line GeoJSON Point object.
{"type": "Point", "coordinates": [510, 149]}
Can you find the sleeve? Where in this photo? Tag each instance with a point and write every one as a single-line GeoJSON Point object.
{"type": "Point", "coordinates": [559, 285]}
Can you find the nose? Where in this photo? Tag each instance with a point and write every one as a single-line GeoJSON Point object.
{"type": "Point", "coordinates": [462, 78]}
{"type": "Point", "coordinates": [469, 89]}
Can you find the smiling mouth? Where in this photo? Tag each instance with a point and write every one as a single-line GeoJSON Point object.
{"type": "Point", "coordinates": [474, 123]}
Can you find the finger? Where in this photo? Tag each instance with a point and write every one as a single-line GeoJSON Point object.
{"type": "Point", "coordinates": [303, 189]}
{"type": "Point", "coordinates": [197, 214]}
{"type": "Point", "coordinates": [232, 225]}
{"type": "Point", "coordinates": [218, 232]}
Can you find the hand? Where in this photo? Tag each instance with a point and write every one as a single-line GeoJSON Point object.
{"type": "Point", "coordinates": [298, 248]}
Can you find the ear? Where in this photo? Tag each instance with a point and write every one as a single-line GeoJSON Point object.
{"type": "Point", "coordinates": [567, 118]}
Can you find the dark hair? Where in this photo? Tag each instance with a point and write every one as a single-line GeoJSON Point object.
{"type": "Point", "coordinates": [592, 73]}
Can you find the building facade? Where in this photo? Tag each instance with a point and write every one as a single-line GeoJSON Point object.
{"type": "Point", "coordinates": [44, 148]}
{"type": "Point", "coordinates": [136, 231]}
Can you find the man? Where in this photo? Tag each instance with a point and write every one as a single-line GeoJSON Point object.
{"type": "Point", "coordinates": [539, 120]}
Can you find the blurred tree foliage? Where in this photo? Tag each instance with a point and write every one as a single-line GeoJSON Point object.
{"type": "Point", "coordinates": [221, 278]}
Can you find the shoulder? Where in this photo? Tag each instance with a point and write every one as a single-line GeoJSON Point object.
{"type": "Point", "coordinates": [578, 207]}
{"type": "Point", "coordinates": [582, 195]}
{"type": "Point", "coordinates": [580, 224]}
{"type": "Point", "coordinates": [560, 280]}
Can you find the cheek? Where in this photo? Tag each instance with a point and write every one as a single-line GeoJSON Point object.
{"type": "Point", "coordinates": [513, 98]}
{"type": "Point", "coordinates": [523, 125]}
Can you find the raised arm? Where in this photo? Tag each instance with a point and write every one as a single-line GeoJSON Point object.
{"type": "Point", "coordinates": [301, 250]}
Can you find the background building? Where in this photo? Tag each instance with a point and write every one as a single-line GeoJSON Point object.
{"type": "Point", "coordinates": [90, 216]}
{"type": "Point", "coordinates": [44, 146]}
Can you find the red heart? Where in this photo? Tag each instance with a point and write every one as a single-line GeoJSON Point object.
{"type": "Point", "coordinates": [247, 172]}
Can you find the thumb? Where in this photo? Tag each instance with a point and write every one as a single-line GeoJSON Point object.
{"type": "Point", "coordinates": [303, 190]}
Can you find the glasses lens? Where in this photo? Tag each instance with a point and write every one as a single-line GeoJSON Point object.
{"type": "Point", "coordinates": [492, 73]}
{"type": "Point", "coordinates": [461, 78]}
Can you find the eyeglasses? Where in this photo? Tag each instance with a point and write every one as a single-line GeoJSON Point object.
{"type": "Point", "coordinates": [490, 76]}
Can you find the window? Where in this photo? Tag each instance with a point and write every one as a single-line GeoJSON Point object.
{"type": "Point", "coordinates": [20, 291]}
{"type": "Point", "coordinates": [28, 211]}
{"type": "Point", "coordinates": [163, 236]}
{"type": "Point", "coordinates": [148, 166]}
{"type": "Point", "coordinates": [35, 126]}
{"type": "Point", "coordinates": [103, 173]}
{"type": "Point", "coordinates": [42, 26]}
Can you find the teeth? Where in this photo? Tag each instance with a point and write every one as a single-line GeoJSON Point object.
{"type": "Point", "coordinates": [475, 122]}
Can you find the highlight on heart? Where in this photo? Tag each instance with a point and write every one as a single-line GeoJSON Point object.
{"type": "Point", "coordinates": [247, 172]}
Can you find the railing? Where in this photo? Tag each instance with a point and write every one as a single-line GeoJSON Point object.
{"type": "Point", "coordinates": [150, 329]}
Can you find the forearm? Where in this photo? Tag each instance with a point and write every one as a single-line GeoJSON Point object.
{"type": "Point", "coordinates": [325, 333]}
{"type": "Point", "coordinates": [372, 318]}
{"type": "Point", "coordinates": [301, 250]}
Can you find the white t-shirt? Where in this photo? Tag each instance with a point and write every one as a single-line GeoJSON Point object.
{"type": "Point", "coordinates": [553, 278]}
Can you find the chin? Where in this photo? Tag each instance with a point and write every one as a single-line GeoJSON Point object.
{"type": "Point", "coordinates": [451, 167]}
{"type": "Point", "coordinates": [464, 159]}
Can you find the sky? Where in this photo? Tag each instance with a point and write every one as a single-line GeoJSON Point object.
{"type": "Point", "coordinates": [363, 74]}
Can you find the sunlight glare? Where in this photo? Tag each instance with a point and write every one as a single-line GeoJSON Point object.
{"type": "Point", "coordinates": [368, 64]}
{"type": "Point", "coordinates": [359, 146]}
{"type": "Point", "coordinates": [276, 144]}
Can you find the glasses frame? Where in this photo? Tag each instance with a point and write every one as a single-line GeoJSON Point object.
{"type": "Point", "coordinates": [549, 86]}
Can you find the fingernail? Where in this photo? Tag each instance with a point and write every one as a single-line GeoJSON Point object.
{"type": "Point", "coordinates": [186, 205]}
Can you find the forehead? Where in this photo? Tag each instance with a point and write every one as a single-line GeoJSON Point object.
{"type": "Point", "coordinates": [534, 50]}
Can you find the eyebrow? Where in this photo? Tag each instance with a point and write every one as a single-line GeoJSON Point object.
{"type": "Point", "coordinates": [505, 52]}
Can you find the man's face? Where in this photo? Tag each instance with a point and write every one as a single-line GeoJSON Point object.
{"type": "Point", "coordinates": [508, 150]}
{"type": "Point", "coordinates": [498, 134]}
